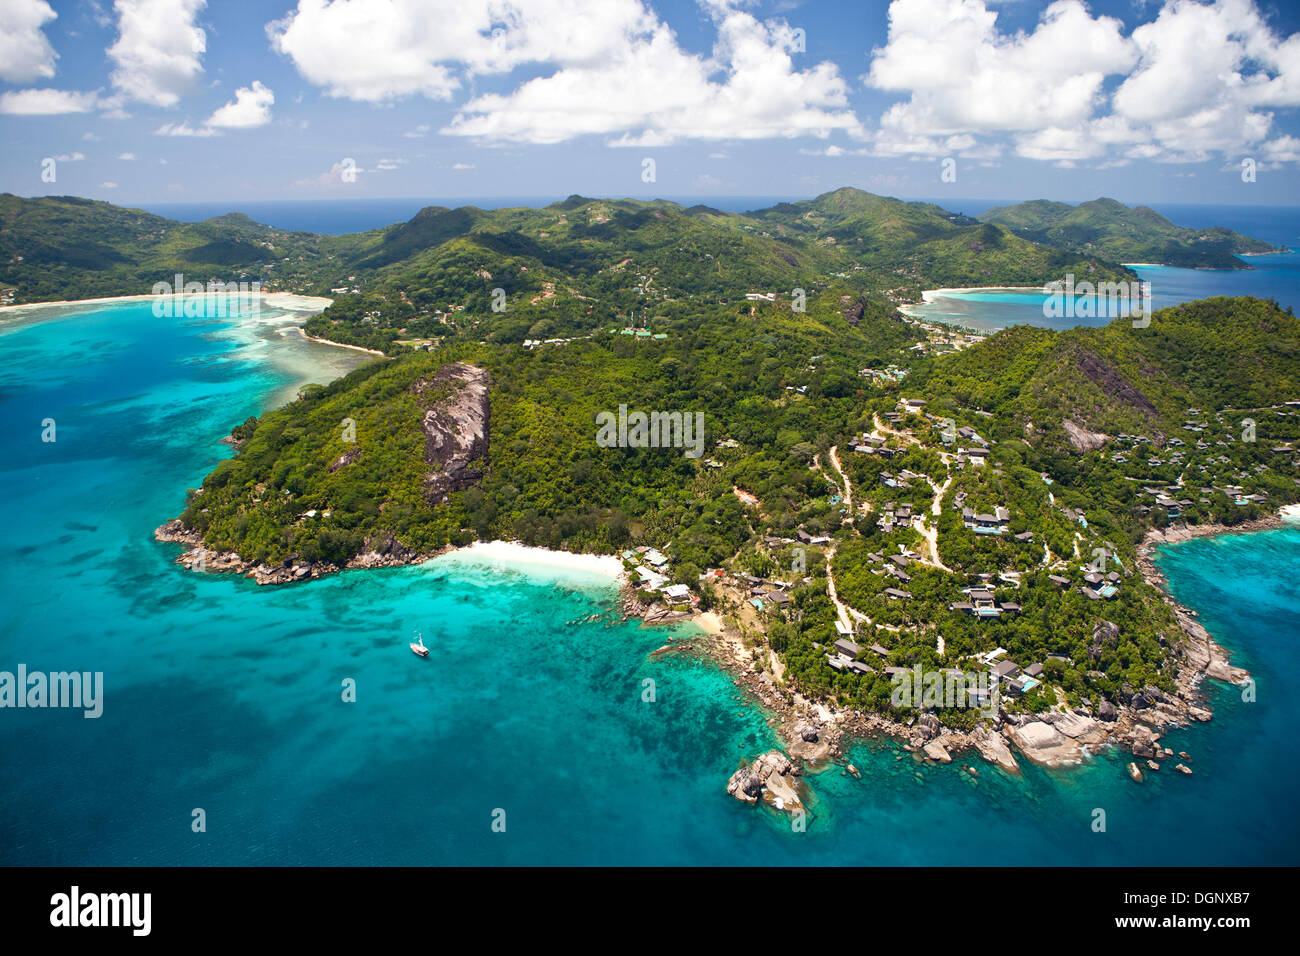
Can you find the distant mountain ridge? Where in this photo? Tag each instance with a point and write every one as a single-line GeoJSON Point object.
{"type": "Point", "coordinates": [65, 247]}
{"type": "Point", "coordinates": [1119, 233]}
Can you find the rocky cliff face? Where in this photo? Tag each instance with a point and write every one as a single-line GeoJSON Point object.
{"type": "Point", "coordinates": [455, 427]}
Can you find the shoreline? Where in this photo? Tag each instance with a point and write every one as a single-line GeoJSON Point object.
{"type": "Point", "coordinates": [342, 345]}
{"type": "Point", "coordinates": [820, 733]}
{"type": "Point", "coordinates": [382, 550]}
{"type": "Point", "coordinates": [978, 290]}
{"type": "Point", "coordinates": [1177, 534]}
{"type": "Point", "coordinates": [281, 312]}
{"type": "Point", "coordinates": [289, 301]}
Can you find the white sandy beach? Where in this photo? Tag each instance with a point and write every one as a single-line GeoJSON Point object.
{"type": "Point", "coordinates": [342, 345]}
{"type": "Point", "coordinates": [977, 289]}
{"type": "Point", "coordinates": [513, 553]}
{"type": "Point", "coordinates": [1289, 513]}
{"type": "Point", "coordinates": [928, 296]}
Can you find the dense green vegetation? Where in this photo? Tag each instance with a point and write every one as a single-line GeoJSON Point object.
{"type": "Point", "coordinates": [549, 483]}
{"type": "Point", "coordinates": [1113, 231]}
{"type": "Point", "coordinates": [1211, 354]}
{"type": "Point", "coordinates": [63, 247]}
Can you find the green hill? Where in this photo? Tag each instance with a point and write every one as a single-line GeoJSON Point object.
{"type": "Point", "coordinates": [63, 247]}
{"type": "Point", "coordinates": [548, 482]}
{"type": "Point", "coordinates": [1119, 379]}
{"type": "Point", "coordinates": [1119, 233]}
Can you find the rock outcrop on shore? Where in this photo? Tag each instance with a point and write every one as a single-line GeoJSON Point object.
{"type": "Point", "coordinates": [936, 751]}
{"type": "Point", "coordinates": [992, 746]}
{"type": "Point", "coordinates": [1044, 744]}
{"type": "Point", "coordinates": [381, 550]}
{"type": "Point", "coordinates": [771, 778]}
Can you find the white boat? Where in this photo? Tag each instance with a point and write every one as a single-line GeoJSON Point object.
{"type": "Point", "coordinates": [418, 646]}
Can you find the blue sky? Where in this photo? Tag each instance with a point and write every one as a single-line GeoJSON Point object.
{"type": "Point", "coordinates": [148, 101]}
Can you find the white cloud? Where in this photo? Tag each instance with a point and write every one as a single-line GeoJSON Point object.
{"type": "Point", "coordinates": [25, 51]}
{"type": "Point", "coordinates": [46, 102]}
{"type": "Point", "coordinates": [965, 76]}
{"type": "Point", "coordinates": [652, 92]}
{"type": "Point", "coordinates": [250, 108]}
{"type": "Point", "coordinates": [108, 185]}
{"type": "Point", "coordinates": [90, 137]}
{"type": "Point", "coordinates": [1284, 149]}
{"type": "Point", "coordinates": [127, 156]}
{"type": "Point", "coordinates": [834, 150]}
{"type": "Point", "coordinates": [70, 157]}
{"type": "Point", "coordinates": [1206, 78]}
{"type": "Point", "coordinates": [420, 131]}
{"type": "Point", "coordinates": [374, 52]}
{"type": "Point", "coordinates": [618, 70]}
{"type": "Point", "coordinates": [1196, 81]}
{"type": "Point", "coordinates": [184, 129]}
{"type": "Point", "coordinates": [462, 166]}
{"type": "Point", "coordinates": [159, 48]}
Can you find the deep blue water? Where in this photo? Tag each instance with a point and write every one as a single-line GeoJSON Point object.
{"type": "Point", "coordinates": [227, 697]}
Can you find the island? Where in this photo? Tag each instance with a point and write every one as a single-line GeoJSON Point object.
{"type": "Point", "coordinates": [886, 526]}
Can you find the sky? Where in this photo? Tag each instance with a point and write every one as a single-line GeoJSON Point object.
{"type": "Point", "coordinates": [156, 101]}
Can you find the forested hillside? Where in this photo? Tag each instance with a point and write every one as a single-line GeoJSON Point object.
{"type": "Point", "coordinates": [1113, 231]}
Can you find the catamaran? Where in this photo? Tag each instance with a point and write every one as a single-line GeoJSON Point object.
{"type": "Point", "coordinates": [418, 646]}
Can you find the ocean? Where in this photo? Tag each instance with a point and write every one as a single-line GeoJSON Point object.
{"type": "Point", "coordinates": [226, 698]}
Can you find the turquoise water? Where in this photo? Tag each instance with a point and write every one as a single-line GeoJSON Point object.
{"type": "Point", "coordinates": [227, 697]}
{"type": "Point", "coordinates": [1274, 276]}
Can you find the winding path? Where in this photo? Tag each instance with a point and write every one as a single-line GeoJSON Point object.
{"type": "Point", "coordinates": [931, 532]}
{"type": "Point", "coordinates": [848, 485]}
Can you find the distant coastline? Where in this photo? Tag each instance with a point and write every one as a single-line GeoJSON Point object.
{"type": "Point", "coordinates": [287, 301]}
